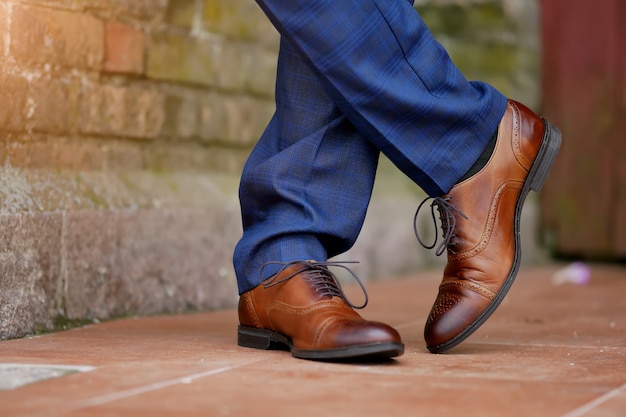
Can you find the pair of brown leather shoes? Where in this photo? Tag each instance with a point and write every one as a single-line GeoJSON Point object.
{"type": "Point", "coordinates": [303, 308]}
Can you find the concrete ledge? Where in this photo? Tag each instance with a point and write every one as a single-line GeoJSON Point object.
{"type": "Point", "coordinates": [88, 264]}
{"type": "Point", "coordinates": [147, 244]}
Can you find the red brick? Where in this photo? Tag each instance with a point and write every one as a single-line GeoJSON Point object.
{"type": "Point", "coordinates": [55, 37]}
{"type": "Point", "coordinates": [49, 153]}
{"type": "Point", "coordinates": [13, 93]}
{"type": "Point", "coordinates": [181, 13]}
{"type": "Point", "coordinates": [4, 25]}
{"type": "Point", "coordinates": [182, 58]}
{"type": "Point", "coordinates": [241, 19]}
{"type": "Point", "coordinates": [121, 111]}
{"type": "Point", "coordinates": [123, 49]}
{"type": "Point", "coordinates": [148, 10]}
{"type": "Point", "coordinates": [123, 156]}
{"type": "Point", "coordinates": [192, 114]}
{"type": "Point", "coordinates": [260, 71]}
{"type": "Point", "coordinates": [232, 55]}
{"type": "Point", "coordinates": [57, 4]}
{"type": "Point", "coordinates": [52, 105]}
{"type": "Point", "coordinates": [244, 119]}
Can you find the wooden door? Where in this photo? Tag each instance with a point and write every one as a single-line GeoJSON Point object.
{"type": "Point", "coordinates": [583, 204]}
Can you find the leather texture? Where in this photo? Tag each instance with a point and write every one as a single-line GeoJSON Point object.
{"type": "Point", "coordinates": [484, 255]}
{"type": "Point", "coordinates": [311, 320]}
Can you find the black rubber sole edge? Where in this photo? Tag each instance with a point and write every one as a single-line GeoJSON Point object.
{"type": "Point", "coordinates": [256, 338]}
{"type": "Point", "coordinates": [537, 175]}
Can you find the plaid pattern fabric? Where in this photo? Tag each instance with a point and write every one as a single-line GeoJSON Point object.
{"type": "Point", "coordinates": [355, 78]}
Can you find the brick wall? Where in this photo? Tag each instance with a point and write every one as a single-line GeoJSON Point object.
{"type": "Point", "coordinates": [492, 40]}
{"type": "Point", "coordinates": [132, 73]}
{"type": "Point", "coordinates": [124, 125]}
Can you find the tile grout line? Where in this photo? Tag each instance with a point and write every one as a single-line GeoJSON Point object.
{"type": "Point", "coordinates": [78, 368]}
{"type": "Point", "coordinates": [584, 409]}
{"type": "Point", "coordinates": [104, 399]}
{"type": "Point", "coordinates": [558, 345]}
{"type": "Point", "coordinates": [407, 324]}
{"type": "Point", "coordinates": [504, 343]}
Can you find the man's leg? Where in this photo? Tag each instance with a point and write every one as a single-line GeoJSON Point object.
{"type": "Point", "coordinates": [305, 189]}
{"type": "Point", "coordinates": [381, 67]}
{"type": "Point", "coordinates": [304, 193]}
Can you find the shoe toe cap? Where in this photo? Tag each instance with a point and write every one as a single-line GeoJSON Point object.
{"type": "Point", "coordinates": [353, 333]}
{"type": "Point", "coordinates": [454, 312]}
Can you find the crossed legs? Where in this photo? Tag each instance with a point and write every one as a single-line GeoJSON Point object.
{"type": "Point", "coordinates": [356, 78]}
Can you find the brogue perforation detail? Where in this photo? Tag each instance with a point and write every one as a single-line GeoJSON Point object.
{"type": "Point", "coordinates": [472, 287]}
{"type": "Point", "coordinates": [517, 137]}
{"type": "Point", "coordinates": [489, 225]}
{"type": "Point", "coordinates": [251, 310]}
{"type": "Point", "coordinates": [444, 303]}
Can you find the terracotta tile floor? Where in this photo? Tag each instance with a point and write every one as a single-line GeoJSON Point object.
{"type": "Point", "coordinates": [548, 351]}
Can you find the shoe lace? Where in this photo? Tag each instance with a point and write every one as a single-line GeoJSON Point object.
{"type": "Point", "coordinates": [448, 223]}
{"type": "Point", "coordinates": [320, 277]}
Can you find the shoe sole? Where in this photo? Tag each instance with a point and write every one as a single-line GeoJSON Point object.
{"type": "Point", "coordinates": [534, 181]}
{"type": "Point", "coordinates": [252, 337]}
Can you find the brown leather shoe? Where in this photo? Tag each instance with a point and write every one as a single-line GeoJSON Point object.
{"type": "Point", "coordinates": [480, 218]}
{"type": "Point", "coordinates": [303, 308]}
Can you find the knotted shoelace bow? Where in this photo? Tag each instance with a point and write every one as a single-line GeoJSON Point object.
{"type": "Point", "coordinates": [448, 223]}
{"type": "Point", "coordinates": [320, 277]}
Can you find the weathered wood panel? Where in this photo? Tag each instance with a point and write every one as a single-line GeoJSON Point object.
{"type": "Point", "coordinates": [584, 93]}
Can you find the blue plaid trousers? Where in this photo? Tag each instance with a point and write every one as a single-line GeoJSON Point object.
{"type": "Point", "coordinates": [355, 78]}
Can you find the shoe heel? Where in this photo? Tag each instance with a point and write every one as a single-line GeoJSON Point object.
{"type": "Point", "coordinates": [546, 156]}
{"type": "Point", "coordinates": [255, 338]}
